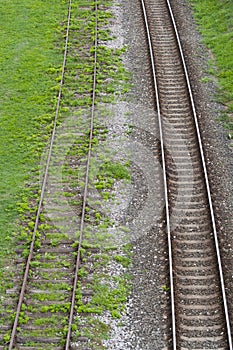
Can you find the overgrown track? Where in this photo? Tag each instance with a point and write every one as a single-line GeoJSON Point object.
{"type": "Point", "coordinates": [46, 304]}
{"type": "Point", "coordinates": [199, 307]}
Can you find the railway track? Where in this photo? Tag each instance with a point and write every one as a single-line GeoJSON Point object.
{"type": "Point", "coordinates": [198, 301]}
{"type": "Point", "coordinates": [44, 316]}
{"type": "Point", "coordinates": [62, 293]}
{"type": "Point", "coordinates": [48, 300]}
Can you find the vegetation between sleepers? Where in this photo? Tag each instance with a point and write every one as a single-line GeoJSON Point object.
{"type": "Point", "coordinates": [111, 80]}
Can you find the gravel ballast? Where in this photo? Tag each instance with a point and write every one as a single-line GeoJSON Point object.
{"type": "Point", "coordinates": [145, 324]}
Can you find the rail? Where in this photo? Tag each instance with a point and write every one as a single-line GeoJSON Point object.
{"type": "Point", "coordinates": [68, 338]}
{"type": "Point", "coordinates": [226, 312]}
{"type": "Point", "coordinates": [164, 174]}
{"type": "Point", "coordinates": [27, 267]}
{"type": "Point", "coordinates": [164, 166]}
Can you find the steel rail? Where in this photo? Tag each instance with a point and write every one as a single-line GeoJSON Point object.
{"type": "Point", "coordinates": [206, 179]}
{"type": "Point", "coordinates": [164, 174]}
{"type": "Point", "coordinates": [72, 308]}
{"type": "Point", "coordinates": [43, 187]}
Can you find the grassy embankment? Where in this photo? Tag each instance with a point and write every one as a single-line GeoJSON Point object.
{"type": "Point", "coordinates": [214, 18]}
{"type": "Point", "coordinates": [32, 103]}
{"type": "Point", "coordinates": [29, 30]}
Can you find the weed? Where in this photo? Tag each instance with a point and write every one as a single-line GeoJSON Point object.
{"type": "Point", "coordinates": [125, 261]}
{"type": "Point", "coordinates": [29, 139]}
{"type": "Point", "coordinates": [165, 288]}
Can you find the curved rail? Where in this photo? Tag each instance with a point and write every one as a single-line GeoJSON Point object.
{"type": "Point", "coordinates": [27, 267]}
{"type": "Point", "coordinates": [204, 169]}
{"type": "Point", "coordinates": [68, 338]}
{"type": "Point", "coordinates": [226, 312]}
{"type": "Point", "coordinates": [164, 174]}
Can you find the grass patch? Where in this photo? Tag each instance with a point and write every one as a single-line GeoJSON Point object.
{"type": "Point", "coordinates": [29, 30]}
{"type": "Point", "coordinates": [28, 112]}
{"type": "Point", "coordinates": [214, 18]}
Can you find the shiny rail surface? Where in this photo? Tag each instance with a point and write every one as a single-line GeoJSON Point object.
{"type": "Point", "coordinates": [64, 250]}
{"type": "Point", "coordinates": [199, 309]}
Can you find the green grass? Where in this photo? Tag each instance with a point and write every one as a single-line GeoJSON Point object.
{"type": "Point", "coordinates": [214, 18]}
{"type": "Point", "coordinates": [32, 49]}
{"type": "Point", "coordinates": [32, 57]}
{"type": "Point", "coordinates": [29, 29]}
